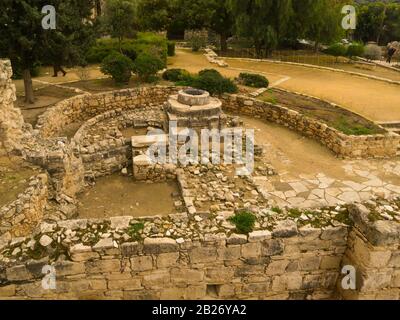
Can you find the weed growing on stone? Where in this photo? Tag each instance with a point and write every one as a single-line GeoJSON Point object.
{"type": "Point", "coordinates": [134, 230]}
{"type": "Point", "coordinates": [244, 222]}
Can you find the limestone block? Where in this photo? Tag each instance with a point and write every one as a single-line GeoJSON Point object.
{"type": "Point", "coordinates": [272, 247]}
{"type": "Point", "coordinates": [261, 235]}
{"type": "Point", "coordinates": [103, 266]}
{"type": "Point", "coordinates": [142, 263]}
{"type": "Point", "coordinates": [128, 284]}
{"type": "Point", "coordinates": [285, 229]}
{"type": "Point", "coordinates": [159, 245]}
{"type": "Point", "coordinates": [166, 260]}
{"type": "Point", "coordinates": [203, 254]}
{"type": "Point", "coordinates": [183, 276]}
{"type": "Point", "coordinates": [251, 250]}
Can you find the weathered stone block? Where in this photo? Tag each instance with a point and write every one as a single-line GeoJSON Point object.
{"type": "Point", "coordinates": [251, 250]}
{"type": "Point", "coordinates": [262, 235]}
{"type": "Point", "coordinates": [203, 254]}
{"type": "Point", "coordinates": [236, 239]}
{"type": "Point", "coordinates": [160, 279]}
{"type": "Point", "coordinates": [128, 284]}
{"type": "Point", "coordinates": [141, 263]}
{"type": "Point", "coordinates": [159, 245]}
{"type": "Point", "coordinates": [230, 253]}
{"type": "Point", "coordinates": [219, 275]}
{"type": "Point", "coordinates": [103, 266]}
{"type": "Point", "coordinates": [166, 260]}
{"type": "Point", "coordinates": [285, 229]}
{"type": "Point", "coordinates": [67, 268]}
{"type": "Point", "coordinates": [330, 262]}
{"type": "Point", "coordinates": [272, 247]}
{"type": "Point", "coordinates": [18, 273]}
{"type": "Point", "coordinates": [309, 263]}
{"type": "Point", "coordinates": [184, 276]}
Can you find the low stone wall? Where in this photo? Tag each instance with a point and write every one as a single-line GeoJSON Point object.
{"type": "Point", "coordinates": [20, 217]}
{"type": "Point", "coordinates": [285, 263]}
{"type": "Point", "coordinates": [85, 107]}
{"type": "Point", "coordinates": [368, 146]}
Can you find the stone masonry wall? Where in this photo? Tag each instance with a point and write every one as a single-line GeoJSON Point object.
{"type": "Point", "coordinates": [20, 217]}
{"type": "Point", "coordinates": [11, 120]}
{"type": "Point", "coordinates": [85, 107]}
{"type": "Point", "coordinates": [285, 263]}
{"type": "Point", "coordinates": [368, 146]}
{"type": "Point", "coordinates": [374, 250]}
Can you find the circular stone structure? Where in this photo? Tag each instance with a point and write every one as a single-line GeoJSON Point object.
{"type": "Point", "coordinates": [194, 108]}
{"type": "Point", "coordinates": [193, 97]}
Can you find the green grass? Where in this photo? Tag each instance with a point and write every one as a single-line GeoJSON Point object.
{"type": "Point", "coordinates": [344, 126]}
{"type": "Point", "coordinates": [277, 210]}
{"type": "Point", "coordinates": [134, 230]}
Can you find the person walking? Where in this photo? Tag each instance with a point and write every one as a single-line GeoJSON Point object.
{"type": "Point", "coordinates": [58, 68]}
{"type": "Point", "coordinates": [392, 48]}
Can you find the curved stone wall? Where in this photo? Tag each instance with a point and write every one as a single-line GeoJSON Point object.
{"type": "Point", "coordinates": [367, 146]}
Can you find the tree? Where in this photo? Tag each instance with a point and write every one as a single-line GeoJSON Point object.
{"type": "Point", "coordinates": [120, 19]}
{"type": "Point", "coordinates": [324, 21]}
{"type": "Point", "coordinates": [222, 21]}
{"type": "Point", "coordinates": [27, 42]}
{"type": "Point", "coordinates": [263, 21]}
{"type": "Point", "coordinates": [155, 15]}
{"type": "Point", "coordinates": [378, 22]}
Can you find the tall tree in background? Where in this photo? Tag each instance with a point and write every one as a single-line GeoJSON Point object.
{"type": "Point", "coordinates": [263, 21]}
{"type": "Point", "coordinates": [120, 19]}
{"type": "Point", "coordinates": [25, 41]}
{"type": "Point", "coordinates": [74, 34]}
{"type": "Point", "coordinates": [324, 21]}
{"type": "Point", "coordinates": [378, 22]}
{"type": "Point", "coordinates": [155, 15]}
{"type": "Point", "coordinates": [222, 21]}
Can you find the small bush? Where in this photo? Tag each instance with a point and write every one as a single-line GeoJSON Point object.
{"type": "Point", "coordinates": [197, 42]}
{"type": "Point", "coordinates": [355, 50]}
{"type": "Point", "coordinates": [118, 66]}
{"type": "Point", "coordinates": [244, 222]}
{"type": "Point", "coordinates": [211, 81]}
{"type": "Point", "coordinates": [253, 80]}
{"type": "Point", "coordinates": [146, 66]}
{"type": "Point", "coordinates": [171, 48]}
{"type": "Point", "coordinates": [373, 52]}
{"type": "Point", "coordinates": [175, 75]}
{"type": "Point", "coordinates": [337, 50]}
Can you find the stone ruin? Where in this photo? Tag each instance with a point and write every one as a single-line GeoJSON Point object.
{"type": "Point", "coordinates": [195, 109]}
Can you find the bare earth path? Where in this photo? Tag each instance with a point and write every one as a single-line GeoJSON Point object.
{"type": "Point", "coordinates": [373, 99]}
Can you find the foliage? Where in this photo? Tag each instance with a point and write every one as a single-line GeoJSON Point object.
{"type": "Point", "coordinates": [244, 222]}
{"type": "Point", "coordinates": [143, 43]}
{"type": "Point", "coordinates": [372, 52]}
{"type": "Point", "coordinates": [134, 230]}
{"type": "Point", "coordinates": [120, 19]}
{"type": "Point", "coordinates": [27, 44]}
{"type": "Point", "coordinates": [253, 80]}
{"type": "Point", "coordinates": [355, 50]}
{"type": "Point", "coordinates": [146, 66]}
{"type": "Point", "coordinates": [118, 66]}
{"type": "Point", "coordinates": [175, 75]}
{"type": "Point", "coordinates": [344, 126]}
{"type": "Point", "coordinates": [171, 48]}
{"type": "Point", "coordinates": [337, 50]}
{"type": "Point", "coordinates": [378, 21]}
{"type": "Point", "coordinates": [197, 42]}
{"type": "Point", "coordinates": [211, 81]}
{"type": "Point", "coordinates": [155, 15]}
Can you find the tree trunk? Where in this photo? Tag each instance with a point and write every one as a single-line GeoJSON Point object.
{"type": "Point", "coordinates": [29, 96]}
{"type": "Point", "coordinates": [224, 42]}
{"type": "Point", "coordinates": [120, 44]}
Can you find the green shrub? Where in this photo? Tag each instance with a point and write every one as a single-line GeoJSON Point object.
{"type": "Point", "coordinates": [244, 222]}
{"type": "Point", "coordinates": [372, 52]}
{"type": "Point", "coordinates": [197, 42]}
{"type": "Point", "coordinates": [146, 66]}
{"type": "Point", "coordinates": [213, 82]}
{"type": "Point", "coordinates": [118, 66]}
{"type": "Point", "coordinates": [253, 80]}
{"type": "Point", "coordinates": [175, 75]}
{"type": "Point", "coordinates": [355, 50]}
{"type": "Point", "coordinates": [337, 50]}
{"type": "Point", "coordinates": [171, 48]}
{"type": "Point", "coordinates": [146, 42]}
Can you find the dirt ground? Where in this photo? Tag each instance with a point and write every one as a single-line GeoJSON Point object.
{"type": "Point", "coordinates": [128, 198]}
{"type": "Point", "coordinates": [375, 100]}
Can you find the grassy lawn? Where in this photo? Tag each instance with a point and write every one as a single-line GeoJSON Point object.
{"type": "Point", "coordinates": [338, 118]}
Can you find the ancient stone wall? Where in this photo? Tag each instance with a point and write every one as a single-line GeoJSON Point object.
{"type": "Point", "coordinates": [286, 262]}
{"type": "Point", "coordinates": [368, 146]}
{"type": "Point", "coordinates": [85, 107]}
{"type": "Point", "coordinates": [374, 249]}
{"type": "Point", "coordinates": [20, 217]}
{"type": "Point", "coordinates": [11, 120]}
